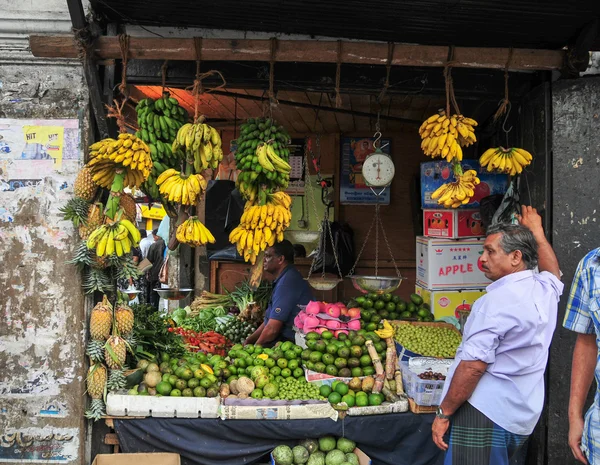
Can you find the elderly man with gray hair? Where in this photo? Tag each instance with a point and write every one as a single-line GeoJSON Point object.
{"type": "Point", "coordinates": [494, 391]}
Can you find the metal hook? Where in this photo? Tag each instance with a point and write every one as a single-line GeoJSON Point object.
{"type": "Point", "coordinates": [509, 106]}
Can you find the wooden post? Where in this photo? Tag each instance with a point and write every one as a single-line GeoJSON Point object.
{"type": "Point", "coordinates": [201, 265]}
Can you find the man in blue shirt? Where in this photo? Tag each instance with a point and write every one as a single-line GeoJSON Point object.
{"type": "Point", "coordinates": [289, 290]}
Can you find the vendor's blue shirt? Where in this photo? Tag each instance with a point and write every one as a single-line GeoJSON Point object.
{"type": "Point", "coordinates": [290, 289]}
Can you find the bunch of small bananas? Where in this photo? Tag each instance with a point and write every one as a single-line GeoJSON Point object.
{"type": "Point", "coordinates": [460, 192]}
{"type": "Point", "coordinates": [181, 188]}
{"type": "Point", "coordinates": [444, 136]}
{"type": "Point", "coordinates": [262, 225]}
{"type": "Point", "coordinates": [387, 331]}
{"type": "Point", "coordinates": [270, 161]}
{"type": "Point", "coordinates": [510, 161]}
{"type": "Point", "coordinates": [202, 143]}
{"type": "Point", "coordinates": [194, 233]}
{"type": "Point", "coordinates": [159, 120]}
{"type": "Point", "coordinates": [115, 238]}
{"type": "Point", "coordinates": [127, 152]}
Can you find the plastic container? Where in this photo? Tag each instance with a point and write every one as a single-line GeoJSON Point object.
{"type": "Point", "coordinates": [423, 391]}
{"type": "Point", "coordinates": [118, 405]}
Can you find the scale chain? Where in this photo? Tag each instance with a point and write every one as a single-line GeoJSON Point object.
{"type": "Point", "coordinates": [351, 273]}
{"type": "Point", "coordinates": [389, 248]}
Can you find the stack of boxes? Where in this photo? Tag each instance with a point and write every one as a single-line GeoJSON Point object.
{"type": "Point", "coordinates": [449, 274]}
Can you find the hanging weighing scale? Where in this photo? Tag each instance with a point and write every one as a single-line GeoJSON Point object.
{"type": "Point", "coordinates": [378, 171]}
{"type": "Point", "coordinates": [326, 281]}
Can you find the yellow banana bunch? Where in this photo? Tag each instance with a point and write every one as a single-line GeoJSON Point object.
{"type": "Point", "coordinates": [116, 238]}
{"type": "Point", "coordinates": [126, 152]}
{"type": "Point", "coordinates": [202, 143]}
{"type": "Point", "coordinates": [459, 192]}
{"type": "Point", "coordinates": [262, 225]}
{"type": "Point", "coordinates": [387, 331]}
{"type": "Point", "coordinates": [181, 188]}
{"type": "Point", "coordinates": [270, 161]}
{"type": "Point", "coordinates": [510, 161]}
{"type": "Point", "coordinates": [194, 233]}
{"type": "Point", "coordinates": [444, 136]}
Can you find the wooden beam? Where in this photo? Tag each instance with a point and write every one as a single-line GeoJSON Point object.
{"type": "Point", "coordinates": [304, 51]}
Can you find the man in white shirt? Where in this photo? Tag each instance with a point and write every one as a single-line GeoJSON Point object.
{"type": "Point", "coordinates": [145, 243]}
{"type": "Point", "coordinates": [494, 391]}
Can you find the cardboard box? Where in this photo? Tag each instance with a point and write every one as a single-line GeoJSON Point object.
{"type": "Point", "coordinates": [452, 224]}
{"type": "Point", "coordinates": [450, 263]}
{"type": "Point", "coordinates": [448, 302]}
{"type": "Point", "coordinates": [363, 459]}
{"type": "Point", "coordinates": [436, 173]}
{"type": "Point", "coordinates": [153, 458]}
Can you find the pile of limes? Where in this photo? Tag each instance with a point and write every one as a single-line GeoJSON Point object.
{"type": "Point", "coordinates": [374, 308]}
{"type": "Point", "coordinates": [340, 392]}
{"type": "Point", "coordinates": [429, 341]}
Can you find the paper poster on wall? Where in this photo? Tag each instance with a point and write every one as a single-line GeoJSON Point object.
{"type": "Point", "coordinates": [353, 190]}
{"type": "Point", "coordinates": [31, 150]}
{"type": "Point", "coordinates": [39, 445]}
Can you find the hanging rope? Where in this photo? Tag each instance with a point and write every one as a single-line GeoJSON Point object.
{"type": "Point", "coordinates": [450, 97]}
{"type": "Point", "coordinates": [272, 72]}
{"type": "Point", "coordinates": [338, 75]}
{"type": "Point", "coordinates": [388, 66]}
{"type": "Point", "coordinates": [505, 102]}
{"type": "Point", "coordinates": [163, 72]}
{"type": "Point", "coordinates": [116, 111]}
{"type": "Point", "coordinates": [197, 88]}
{"type": "Point", "coordinates": [124, 46]}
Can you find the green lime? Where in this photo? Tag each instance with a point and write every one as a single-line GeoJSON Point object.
{"type": "Point", "coordinates": [361, 401]}
{"type": "Point", "coordinates": [286, 372]}
{"type": "Point", "coordinates": [298, 373]}
{"type": "Point", "coordinates": [390, 307]}
{"type": "Point", "coordinates": [175, 393]}
{"type": "Point", "coordinates": [349, 399]}
{"type": "Point", "coordinates": [342, 389]}
{"type": "Point", "coordinates": [368, 371]}
{"type": "Point", "coordinates": [360, 300]}
{"type": "Point", "coordinates": [199, 392]}
{"type": "Point", "coordinates": [193, 383]}
{"type": "Point", "coordinates": [328, 359]}
{"type": "Point", "coordinates": [327, 335]}
{"type": "Point", "coordinates": [275, 371]}
{"type": "Point", "coordinates": [375, 399]}
{"type": "Point", "coordinates": [334, 398]}
{"type": "Point", "coordinates": [325, 390]}
{"type": "Point", "coordinates": [371, 326]}
{"type": "Point", "coordinates": [282, 363]}
{"type": "Point", "coordinates": [379, 305]}
{"type": "Point", "coordinates": [357, 372]}
{"type": "Point", "coordinates": [164, 388]}
{"type": "Point", "coordinates": [187, 392]}
{"type": "Point", "coordinates": [368, 303]}
{"type": "Point", "coordinates": [270, 363]}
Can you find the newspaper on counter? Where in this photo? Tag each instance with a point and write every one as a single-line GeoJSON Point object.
{"type": "Point", "coordinates": [278, 412]}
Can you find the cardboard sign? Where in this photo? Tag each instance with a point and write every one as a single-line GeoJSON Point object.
{"type": "Point", "coordinates": [450, 264]}
{"type": "Point", "coordinates": [452, 224]}
{"type": "Point", "coordinates": [449, 302]}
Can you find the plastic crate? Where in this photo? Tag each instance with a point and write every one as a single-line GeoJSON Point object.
{"type": "Point", "coordinates": [424, 392]}
{"type": "Point", "coordinates": [404, 355]}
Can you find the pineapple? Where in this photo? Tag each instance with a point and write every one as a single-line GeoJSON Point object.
{"type": "Point", "coordinates": [95, 350]}
{"type": "Point", "coordinates": [95, 218]}
{"type": "Point", "coordinates": [85, 187]}
{"type": "Point", "coordinates": [101, 320]}
{"type": "Point", "coordinates": [127, 203]}
{"type": "Point", "coordinates": [76, 210]}
{"type": "Point", "coordinates": [116, 380]}
{"type": "Point", "coordinates": [96, 384]}
{"type": "Point", "coordinates": [124, 319]}
{"type": "Point", "coordinates": [96, 381]}
{"type": "Point", "coordinates": [82, 256]}
{"type": "Point", "coordinates": [115, 352]}
{"type": "Point", "coordinates": [96, 410]}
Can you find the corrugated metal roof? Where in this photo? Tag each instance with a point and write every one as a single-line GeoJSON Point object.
{"type": "Point", "coordinates": [548, 24]}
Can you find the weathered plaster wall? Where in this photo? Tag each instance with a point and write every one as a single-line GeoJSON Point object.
{"type": "Point", "coordinates": [575, 231]}
{"type": "Point", "coordinates": [42, 362]}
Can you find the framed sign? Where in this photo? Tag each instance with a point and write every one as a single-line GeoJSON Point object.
{"type": "Point", "coordinates": [353, 190]}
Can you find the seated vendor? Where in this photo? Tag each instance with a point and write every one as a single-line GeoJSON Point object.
{"type": "Point", "coordinates": [289, 290]}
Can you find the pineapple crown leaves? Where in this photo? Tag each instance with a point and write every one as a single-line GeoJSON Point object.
{"type": "Point", "coordinates": [125, 267]}
{"type": "Point", "coordinates": [97, 280]}
{"type": "Point", "coordinates": [116, 380]}
{"type": "Point", "coordinates": [96, 410]}
{"type": "Point", "coordinates": [94, 351]}
{"type": "Point", "coordinates": [76, 210]}
{"type": "Point", "coordinates": [82, 256]}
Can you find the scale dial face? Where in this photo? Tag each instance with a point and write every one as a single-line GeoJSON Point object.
{"type": "Point", "coordinates": [378, 170]}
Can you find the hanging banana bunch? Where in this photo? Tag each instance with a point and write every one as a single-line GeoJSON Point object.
{"type": "Point", "coordinates": [444, 136]}
{"type": "Point", "coordinates": [509, 161]}
{"type": "Point", "coordinates": [262, 225]}
{"type": "Point", "coordinates": [201, 143]}
{"type": "Point", "coordinates": [194, 233]}
{"type": "Point", "coordinates": [183, 189]}
{"type": "Point", "coordinates": [115, 238]}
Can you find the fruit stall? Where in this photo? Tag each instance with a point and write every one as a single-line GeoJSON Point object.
{"type": "Point", "coordinates": [388, 187]}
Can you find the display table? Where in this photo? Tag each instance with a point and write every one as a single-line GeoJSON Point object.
{"type": "Point", "coordinates": [393, 439]}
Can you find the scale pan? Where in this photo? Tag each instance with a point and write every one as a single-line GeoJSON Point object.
{"type": "Point", "coordinates": [376, 284]}
{"type": "Point", "coordinates": [321, 283]}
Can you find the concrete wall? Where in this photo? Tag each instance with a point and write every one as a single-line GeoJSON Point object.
{"type": "Point", "coordinates": [42, 362]}
{"type": "Point", "coordinates": [576, 221]}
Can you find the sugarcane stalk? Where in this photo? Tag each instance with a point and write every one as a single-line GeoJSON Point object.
{"type": "Point", "coordinates": [399, 384]}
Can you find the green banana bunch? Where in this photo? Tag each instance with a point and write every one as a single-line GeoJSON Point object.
{"type": "Point", "coordinates": [201, 143]}
{"type": "Point", "coordinates": [262, 156]}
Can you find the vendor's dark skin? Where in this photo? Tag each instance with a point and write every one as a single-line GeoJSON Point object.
{"type": "Point", "coordinates": [274, 265]}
